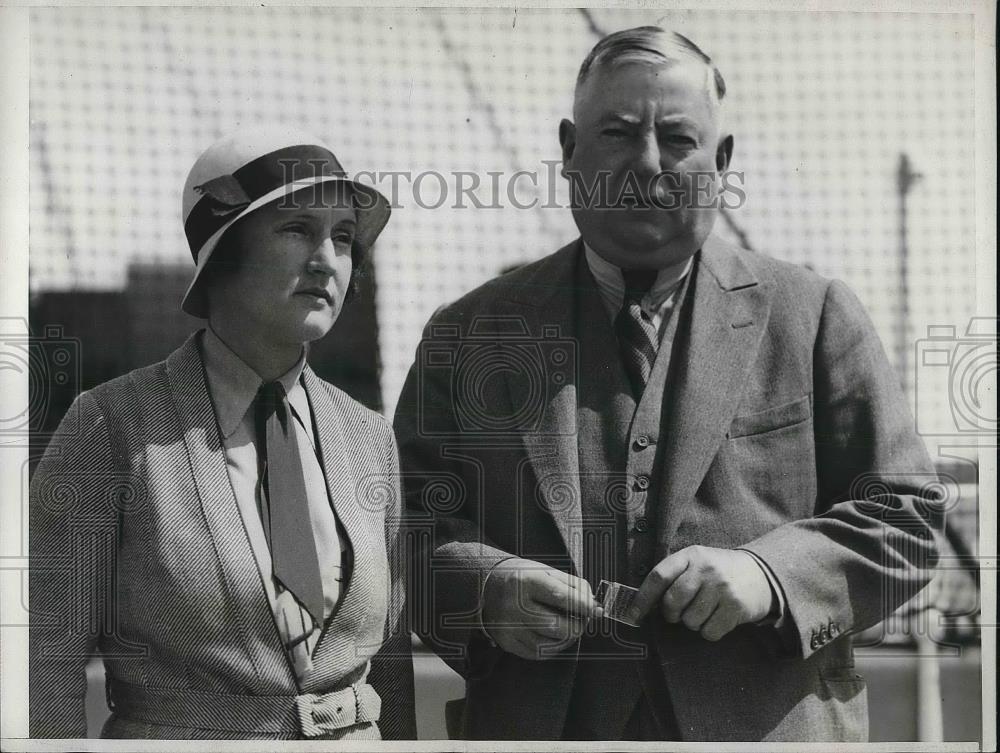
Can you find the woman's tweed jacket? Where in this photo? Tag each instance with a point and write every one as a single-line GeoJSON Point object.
{"type": "Point", "coordinates": [138, 552]}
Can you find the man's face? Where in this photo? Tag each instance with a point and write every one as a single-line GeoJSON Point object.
{"type": "Point", "coordinates": [294, 268]}
{"type": "Point", "coordinates": [647, 146]}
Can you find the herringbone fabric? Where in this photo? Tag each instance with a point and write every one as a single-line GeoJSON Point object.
{"type": "Point", "coordinates": [636, 334]}
{"type": "Point", "coordinates": [138, 553]}
{"type": "Point", "coordinates": [330, 716]}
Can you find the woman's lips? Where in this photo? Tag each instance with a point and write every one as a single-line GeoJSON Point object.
{"type": "Point", "coordinates": [317, 294]}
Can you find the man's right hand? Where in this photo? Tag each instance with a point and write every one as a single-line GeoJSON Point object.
{"type": "Point", "coordinates": [528, 607]}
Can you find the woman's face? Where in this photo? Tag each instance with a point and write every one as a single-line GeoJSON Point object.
{"type": "Point", "coordinates": [293, 271]}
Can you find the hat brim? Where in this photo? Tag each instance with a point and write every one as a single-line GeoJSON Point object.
{"type": "Point", "coordinates": [372, 209]}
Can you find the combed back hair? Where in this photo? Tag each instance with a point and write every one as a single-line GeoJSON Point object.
{"type": "Point", "coordinates": [650, 44]}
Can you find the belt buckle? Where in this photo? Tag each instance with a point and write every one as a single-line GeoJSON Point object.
{"type": "Point", "coordinates": [319, 714]}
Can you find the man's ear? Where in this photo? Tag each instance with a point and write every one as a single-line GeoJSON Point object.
{"type": "Point", "coordinates": [724, 154]}
{"type": "Point", "coordinates": [567, 140]}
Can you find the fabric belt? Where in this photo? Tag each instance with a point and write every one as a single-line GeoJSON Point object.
{"type": "Point", "coordinates": [311, 714]}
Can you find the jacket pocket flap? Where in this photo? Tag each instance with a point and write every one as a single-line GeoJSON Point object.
{"type": "Point", "coordinates": [776, 417]}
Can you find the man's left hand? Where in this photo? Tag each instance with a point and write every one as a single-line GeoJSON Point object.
{"type": "Point", "coordinates": [709, 590]}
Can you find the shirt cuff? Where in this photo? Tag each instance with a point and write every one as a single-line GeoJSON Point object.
{"type": "Point", "coordinates": [482, 594]}
{"type": "Point", "coordinates": [776, 616]}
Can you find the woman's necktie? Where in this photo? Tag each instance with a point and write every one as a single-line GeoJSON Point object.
{"type": "Point", "coordinates": [285, 514]}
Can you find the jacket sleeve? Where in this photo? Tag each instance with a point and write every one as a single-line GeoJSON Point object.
{"type": "Point", "coordinates": [443, 507]}
{"type": "Point", "coordinates": [392, 667]}
{"type": "Point", "coordinates": [870, 547]}
{"type": "Point", "coordinates": [72, 535]}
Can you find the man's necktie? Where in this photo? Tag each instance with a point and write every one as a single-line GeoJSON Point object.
{"type": "Point", "coordinates": [285, 512]}
{"type": "Point", "coordinates": [637, 337]}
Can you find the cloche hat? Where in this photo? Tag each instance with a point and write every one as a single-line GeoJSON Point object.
{"type": "Point", "coordinates": [247, 170]}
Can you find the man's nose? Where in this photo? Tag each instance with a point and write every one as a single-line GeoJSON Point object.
{"type": "Point", "coordinates": [648, 157]}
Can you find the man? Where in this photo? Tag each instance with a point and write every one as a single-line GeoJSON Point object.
{"type": "Point", "coordinates": [653, 407]}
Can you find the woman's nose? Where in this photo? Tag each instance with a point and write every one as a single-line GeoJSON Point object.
{"type": "Point", "coordinates": [322, 260]}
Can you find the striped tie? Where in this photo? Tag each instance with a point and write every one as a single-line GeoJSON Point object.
{"type": "Point", "coordinates": [637, 337]}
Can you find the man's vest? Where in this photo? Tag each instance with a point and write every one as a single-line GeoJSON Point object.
{"type": "Point", "coordinates": [620, 482]}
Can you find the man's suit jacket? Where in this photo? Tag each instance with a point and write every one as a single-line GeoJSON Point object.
{"type": "Point", "coordinates": [784, 432]}
{"type": "Point", "coordinates": [138, 551]}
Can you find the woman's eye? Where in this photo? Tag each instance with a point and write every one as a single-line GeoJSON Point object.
{"type": "Point", "coordinates": [297, 228]}
{"type": "Point", "coordinates": [342, 237]}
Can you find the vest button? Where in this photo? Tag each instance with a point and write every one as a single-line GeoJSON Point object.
{"type": "Point", "coordinates": [642, 441]}
{"type": "Point", "coordinates": [642, 482]}
{"type": "Point", "coordinates": [642, 525]}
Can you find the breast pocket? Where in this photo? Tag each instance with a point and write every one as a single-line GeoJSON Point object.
{"type": "Point", "coordinates": [770, 458]}
{"type": "Point", "coordinates": [771, 419]}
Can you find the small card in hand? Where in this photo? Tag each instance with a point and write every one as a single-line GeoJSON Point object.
{"type": "Point", "coordinates": [616, 599]}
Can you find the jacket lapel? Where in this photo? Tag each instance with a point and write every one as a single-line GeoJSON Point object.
{"type": "Point", "coordinates": [727, 315]}
{"type": "Point", "coordinates": [341, 471]}
{"type": "Point", "coordinates": [251, 613]}
{"type": "Point", "coordinates": [544, 303]}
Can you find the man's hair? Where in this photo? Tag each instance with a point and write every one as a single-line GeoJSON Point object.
{"type": "Point", "coordinates": [650, 44]}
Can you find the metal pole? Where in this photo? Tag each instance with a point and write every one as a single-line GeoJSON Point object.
{"type": "Point", "coordinates": [930, 712]}
{"type": "Point", "coordinates": [930, 716]}
{"type": "Point", "coordinates": [905, 179]}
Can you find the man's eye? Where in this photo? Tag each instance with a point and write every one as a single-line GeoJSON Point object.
{"type": "Point", "coordinates": [615, 133]}
{"type": "Point", "coordinates": [296, 227]}
{"type": "Point", "coordinates": [679, 140]}
{"type": "Point", "coordinates": [342, 236]}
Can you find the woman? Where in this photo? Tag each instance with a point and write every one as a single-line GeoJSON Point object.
{"type": "Point", "coordinates": [222, 527]}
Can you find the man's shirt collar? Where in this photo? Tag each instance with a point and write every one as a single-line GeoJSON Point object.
{"type": "Point", "coordinates": [612, 285]}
